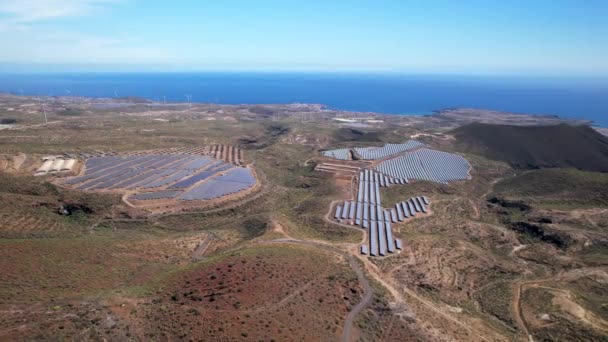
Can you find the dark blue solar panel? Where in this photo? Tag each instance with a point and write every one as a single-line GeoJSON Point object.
{"type": "Point", "coordinates": [122, 163]}
{"type": "Point", "coordinates": [180, 160]}
{"type": "Point", "coordinates": [188, 182]}
{"type": "Point", "coordinates": [182, 165]}
{"type": "Point", "coordinates": [157, 195]}
{"type": "Point", "coordinates": [153, 176]}
{"type": "Point", "coordinates": [103, 179]}
{"type": "Point", "coordinates": [213, 189]}
{"type": "Point", "coordinates": [233, 181]}
{"type": "Point", "coordinates": [118, 179]}
{"type": "Point", "coordinates": [172, 178]}
{"type": "Point", "coordinates": [198, 163]}
{"type": "Point", "coordinates": [240, 174]}
{"type": "Point", "coordinates": [223, 167]}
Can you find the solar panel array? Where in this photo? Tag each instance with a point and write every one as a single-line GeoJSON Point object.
{"type": "Point", "coordinates": [373, 153]}
{"type": "Point", "coordinates": [367, 211]}
{"type": "Point", "coordinates": [427, 164]}
{"type": "Point", "coordinates": [182, 176]}
{"type": "Point", "coordinates": [233, 181]}
{"type": "Point", "coordinates": [342, 154]}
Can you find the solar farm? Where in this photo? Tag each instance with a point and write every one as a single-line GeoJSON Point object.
{"type": "Point", "coordinates": [372, 153]}
{"type": "Point", "coordinates": [168, 177]}
{"type": "Point", "coordinates": [390, 165]}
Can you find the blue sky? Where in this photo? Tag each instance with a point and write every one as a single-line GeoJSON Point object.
{"type": "Point", "coordinates": [538, 37]}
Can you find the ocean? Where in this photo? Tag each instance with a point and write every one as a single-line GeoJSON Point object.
{"type": "Point", "coordinates": [576, 98]}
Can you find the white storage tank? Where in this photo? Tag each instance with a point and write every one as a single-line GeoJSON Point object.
{"type": "Point", "coordinates": [56, 166]}
{"type": "Point", "coordinates": [68, 165]}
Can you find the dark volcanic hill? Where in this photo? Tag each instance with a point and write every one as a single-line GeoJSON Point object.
{"type": "Point", "coordinates": [579, 147]}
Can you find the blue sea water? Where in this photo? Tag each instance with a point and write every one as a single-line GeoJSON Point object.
{"type": "Point", "coordinates": [578, 98]}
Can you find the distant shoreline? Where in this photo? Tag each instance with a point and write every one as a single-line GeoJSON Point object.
{"type": "Point", "coordinates": [460, 115]}
{"type": "Point", "coordinates": [382, 94]}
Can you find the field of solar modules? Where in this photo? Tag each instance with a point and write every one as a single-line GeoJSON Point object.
{"type": "Point", "coordinates": [227, 153]}
{"type": "Point", "coordinates": [372, 153]}
{"type": "Point", "coordinates": [367, 212]}
{"type": "Point", "coordinates": [410, 161]}
{"type": "Point", "coordinates": [426, 164]}
{"type": "Point", "coordinates": [342, 154]}
{"type": "Point", "coordinates": [166, 176]}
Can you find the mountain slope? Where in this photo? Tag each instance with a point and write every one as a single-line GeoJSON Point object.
{"type": "Point", "coordinates": [579, 147]}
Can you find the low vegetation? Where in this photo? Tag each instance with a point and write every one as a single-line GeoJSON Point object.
{"type": "Point", "coordinates": [558, 146]}
{"type": "Point", "coordinates": [556, 188]}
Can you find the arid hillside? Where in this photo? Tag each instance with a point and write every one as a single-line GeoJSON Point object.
{"type": "Point", "coordinates": [533, 147]}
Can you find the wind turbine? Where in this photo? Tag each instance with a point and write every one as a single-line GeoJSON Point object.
{"type": "Point", "coordinates": [43, 105]}
{"type": "Point", "coordinates": [189, 98]}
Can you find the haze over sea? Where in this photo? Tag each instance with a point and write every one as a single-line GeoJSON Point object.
{"type": "Point", "coordinates": [575, 98]}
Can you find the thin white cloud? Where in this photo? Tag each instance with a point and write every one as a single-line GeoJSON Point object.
{"type": "Point", "coordinates": [28, 11]}
{"type": "Point", "coordinates": [36, 47]}
{"type": "Point", "coordinates": [29, 35]}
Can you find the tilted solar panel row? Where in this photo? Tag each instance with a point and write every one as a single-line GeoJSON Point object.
{"type": "Point", "coordinates": [373, 239]}
{"type": "Point", "coordinates": [399, 244]}
{"type": "Point", "coordinates": [168, 180]}
{"type": "Point", "coordinates": [389, 238]}
{"type": "Point", "coordinates": [198, 163]}
{"type": "Point", "coordinates": [144, 179]}
{"type": "Point", "coordinates": [165, 194]}
{"type": "Point", "coordinates": [352, 209]}
{"type": "Point", "coordinates": [98, 180]}
{"type": "Point", "coordinates": [223, 167]}
{"type": "Point", "coordinates": [387, 150]}
{"type": "Point", "coordinates": [381, 238]}
{"type": "Point", "coordinates": [342, 154]}
{"type": "Point", "coordinates": [182, 163]}
{"type": "Point", "coordinates": [98, 161]}
{"type": "Point", "coordinates": [161, 162]}
{"type": "Point", "coordinates": [345, 209]}
{"type": "Point", "coordinates": [125, 162]}
{"type": "Point", "coordinates": [119, 179]}
{"type": "Point", "coordinates": [426, 164]}
{"type": "Point", "coordinates": [237, 174]}
{"type": "Point", "coordinates": [213, 189]}
{"type": "Point", "coordinates": [126, 165]}
{"type": "Point", "coordinates": [188, 182]}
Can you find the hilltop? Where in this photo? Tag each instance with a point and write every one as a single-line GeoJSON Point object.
{"type": "Point", "coordinates": [534, 147]}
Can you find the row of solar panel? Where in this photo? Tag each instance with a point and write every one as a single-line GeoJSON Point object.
{"type": "Point", "coordinates": [361, 213]}
{"type": "Point", "coordinates": [426, 164]}
{"type": "Point", "coordinates": [372, 153]}
{"type": "Point", "coordinates": [233, 181]}
{"type": "Point", "coordinates": [153, 161]}
{"type": "Point", "coordinates": [381, 241]}
{"type": "Point", "coordinates": [342, 154]}
{"type": "Point", "coordinates": [113, 164]}
{"type": "Point", "coordinates": [135, 171]}
{"type": "Point", "coordinates": [368, 212]}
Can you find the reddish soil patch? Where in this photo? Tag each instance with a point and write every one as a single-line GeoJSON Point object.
{"type": "Point", "coordinates": [269, 293]}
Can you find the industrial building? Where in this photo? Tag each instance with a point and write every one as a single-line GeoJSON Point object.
{"type": "Point", "coordinates": [52, 164]}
